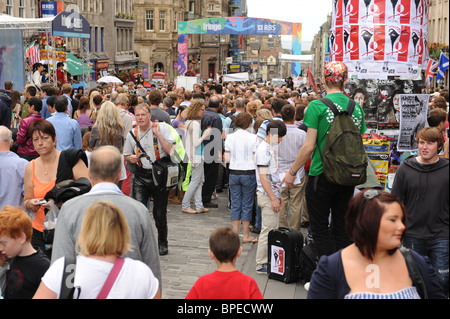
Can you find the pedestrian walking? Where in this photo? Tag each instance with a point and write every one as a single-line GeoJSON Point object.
{"type": "Point", "coordinates": [104, 237]}
{"type": "Point", "coordinates": [193, 143]}
{"type": "Point", "coordinates": [240, 150]}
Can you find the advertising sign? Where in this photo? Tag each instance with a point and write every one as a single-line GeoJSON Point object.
{"type": "Point", "coordinates": [51, 8]}
{"type": "Point", "coordinates": [236, 26]}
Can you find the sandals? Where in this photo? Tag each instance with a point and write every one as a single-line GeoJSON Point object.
{"type": "Point", "coordinates": [191, 211]}
{"type": "Point", "coordinates": [251, 240]}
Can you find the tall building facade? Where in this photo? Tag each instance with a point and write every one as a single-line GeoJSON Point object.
{"type": "Point", "coordinates": [157, 34]}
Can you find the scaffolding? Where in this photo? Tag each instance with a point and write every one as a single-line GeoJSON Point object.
{"type": "Point", "coordinates": [29, 28]}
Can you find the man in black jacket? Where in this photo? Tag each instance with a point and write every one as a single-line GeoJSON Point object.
{"type": "Point", "coordinates": [212, 151]}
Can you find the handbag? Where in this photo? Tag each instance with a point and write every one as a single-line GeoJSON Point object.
{"type": "Point", "coordinates": [415, 273]}
{"type": "Point", "coordinates": [164, 171]}
{"type": "Point", "coordinates": [67, 289]}
{"type": "Point", "coordinates": [111, 279]}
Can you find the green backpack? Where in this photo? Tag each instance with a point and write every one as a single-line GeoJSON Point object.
{"type": "Point", "coordinates": [344, 159]}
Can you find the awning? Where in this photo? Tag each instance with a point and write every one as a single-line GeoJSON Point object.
{"type": "Point", "coordinates": [75, 65]}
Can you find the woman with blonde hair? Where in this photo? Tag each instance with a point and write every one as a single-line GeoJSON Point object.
{"type": "Point", "coordinates": [194, 149]}
{"type": "Point", "coordinates": [103, 239]}
{"type": "Point", "coordinates": [92, 94]}
{"type": "Point", "coordinates": [109, 130]}
{"type": "Point", "coordinates": [264, 114]}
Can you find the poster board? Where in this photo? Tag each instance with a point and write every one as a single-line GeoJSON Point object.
{"type": "Point", "coordinates": [413, 118]}
{"type": "Point", "coordinates": [380, 38]}
{"type": "Point", "coordinates": [187, 82]}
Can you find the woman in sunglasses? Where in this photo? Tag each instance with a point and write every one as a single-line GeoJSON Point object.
{"type": "Point", "coordinates": [373, 266]}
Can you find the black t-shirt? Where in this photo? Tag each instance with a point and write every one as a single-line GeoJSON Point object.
{"type": "Point", "coordinates": [24, 276]}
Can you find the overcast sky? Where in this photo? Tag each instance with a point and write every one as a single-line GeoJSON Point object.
{"type": "Point", "coordinates": [311, 13]}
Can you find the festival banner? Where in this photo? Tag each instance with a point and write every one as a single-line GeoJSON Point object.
{"type": "Point", "coordinates": [236, 26]}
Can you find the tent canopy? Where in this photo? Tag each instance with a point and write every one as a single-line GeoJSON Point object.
{"type": "Point", "coordinates": [75, 65]}
{"type": "Point", "coordinates": [9, 22]}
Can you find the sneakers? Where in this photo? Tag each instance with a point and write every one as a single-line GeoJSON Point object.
{"type": "Point", "coordinates": [306, 286]}
{"type": "Point", "coordinates": [262, 270]}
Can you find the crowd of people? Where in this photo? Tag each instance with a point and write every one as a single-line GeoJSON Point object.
{"type": "Point", "coordinates": [259, 141]}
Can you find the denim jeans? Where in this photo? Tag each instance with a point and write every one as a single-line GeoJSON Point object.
{"type": "Point", "coordinates": [242, 196]}
{"type": "Point", "coordinates": [195, 188]}
{"type": "Point", "coordinates": [437, 251]}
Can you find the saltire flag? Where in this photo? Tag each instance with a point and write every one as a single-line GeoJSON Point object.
{"type": "Point", "coordinates": [431, 71]}
{"type": "Point", "coordinates": [443, 66]}
{"type": "Point", "coordinates": [311, 79]}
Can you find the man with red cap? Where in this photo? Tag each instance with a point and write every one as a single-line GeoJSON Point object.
{"type": "Point", "coordinates": [323, 197]}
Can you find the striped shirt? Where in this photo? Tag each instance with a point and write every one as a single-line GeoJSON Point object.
{"type": "Point", "coordinates": [407, 293]}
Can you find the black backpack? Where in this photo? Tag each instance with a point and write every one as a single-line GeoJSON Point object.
{"type": "Point", "coordinates": [308, 261]}
{"type": "Point", "coordinates": [344, 158]}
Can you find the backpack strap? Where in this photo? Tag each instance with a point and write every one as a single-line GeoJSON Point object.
{"type": "Point", "coordinates": [415, 273]}
{"type": "Point", "coordinates": [349, 111]}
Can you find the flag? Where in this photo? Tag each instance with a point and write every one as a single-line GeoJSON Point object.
{"type": "Point", "coordinates": [33, 53]}
{"type": "Point", "coordinates": [430, 71]}
{"type": "Point", "coordinates": [311, 79]}
{"type": "Point", "coordinates": [443, 66]}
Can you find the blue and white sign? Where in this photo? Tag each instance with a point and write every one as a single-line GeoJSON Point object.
{"type": "Point", "coordinates": [71, 24]}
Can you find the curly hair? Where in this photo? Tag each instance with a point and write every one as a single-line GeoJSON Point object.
{"type": "Point", "coordinates": [196, 105]}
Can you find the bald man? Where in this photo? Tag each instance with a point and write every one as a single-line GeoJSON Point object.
{"type": "Point", "coordinates": [104, 172]}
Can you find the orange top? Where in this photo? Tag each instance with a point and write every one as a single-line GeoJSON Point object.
{"type": "Point", "coordinates": [39, 191]}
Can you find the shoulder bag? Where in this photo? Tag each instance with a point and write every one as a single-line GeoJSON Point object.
{"type": "Point", "coordinates": [67, 291]}
{"type": "Point", "coordinates": [415, 273]}
{"type": "Point", "coordinates": [164, 170]}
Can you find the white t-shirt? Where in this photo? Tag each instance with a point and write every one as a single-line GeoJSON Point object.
{"type": "Point", "coordinates": [146, 141]}
{"type": "Point", "coordinates": [135, 280]}
{"type": "Point", "coordinates": [242, 147]}
{"type": "Point", "coordinates": [266, 157]}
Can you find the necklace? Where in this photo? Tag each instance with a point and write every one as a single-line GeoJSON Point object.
{"type": "Point", "coordinates": [46, 170]}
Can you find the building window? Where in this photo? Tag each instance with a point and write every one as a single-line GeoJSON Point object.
{"type": "Point", "coordinates": [210, 7]}
{"type": "Point", "coordinates": [175, 21]}
{"type": "Point", "coordinates": [149, 20]}
{"type": "Point", "coordinates": [101, 38]}
{"type": "Point", "coordinates": [162, 20]}
{"type": "Point", "coordinates": [95, 39]}
{"type": "Point", "coordinates": [9, 7]}
{"type": "Point", "coordinates": [22, 8]}
{"type": "Point", "coordinates": [33, 9]}
{"type": "Point", "coordinates": [158, 67]}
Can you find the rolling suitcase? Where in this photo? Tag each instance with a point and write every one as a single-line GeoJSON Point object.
{"type": "Point", "coordinates": [284, 247]}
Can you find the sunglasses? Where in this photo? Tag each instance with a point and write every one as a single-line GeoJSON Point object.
{"type": "Point", "coordinates": [371, 194]}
